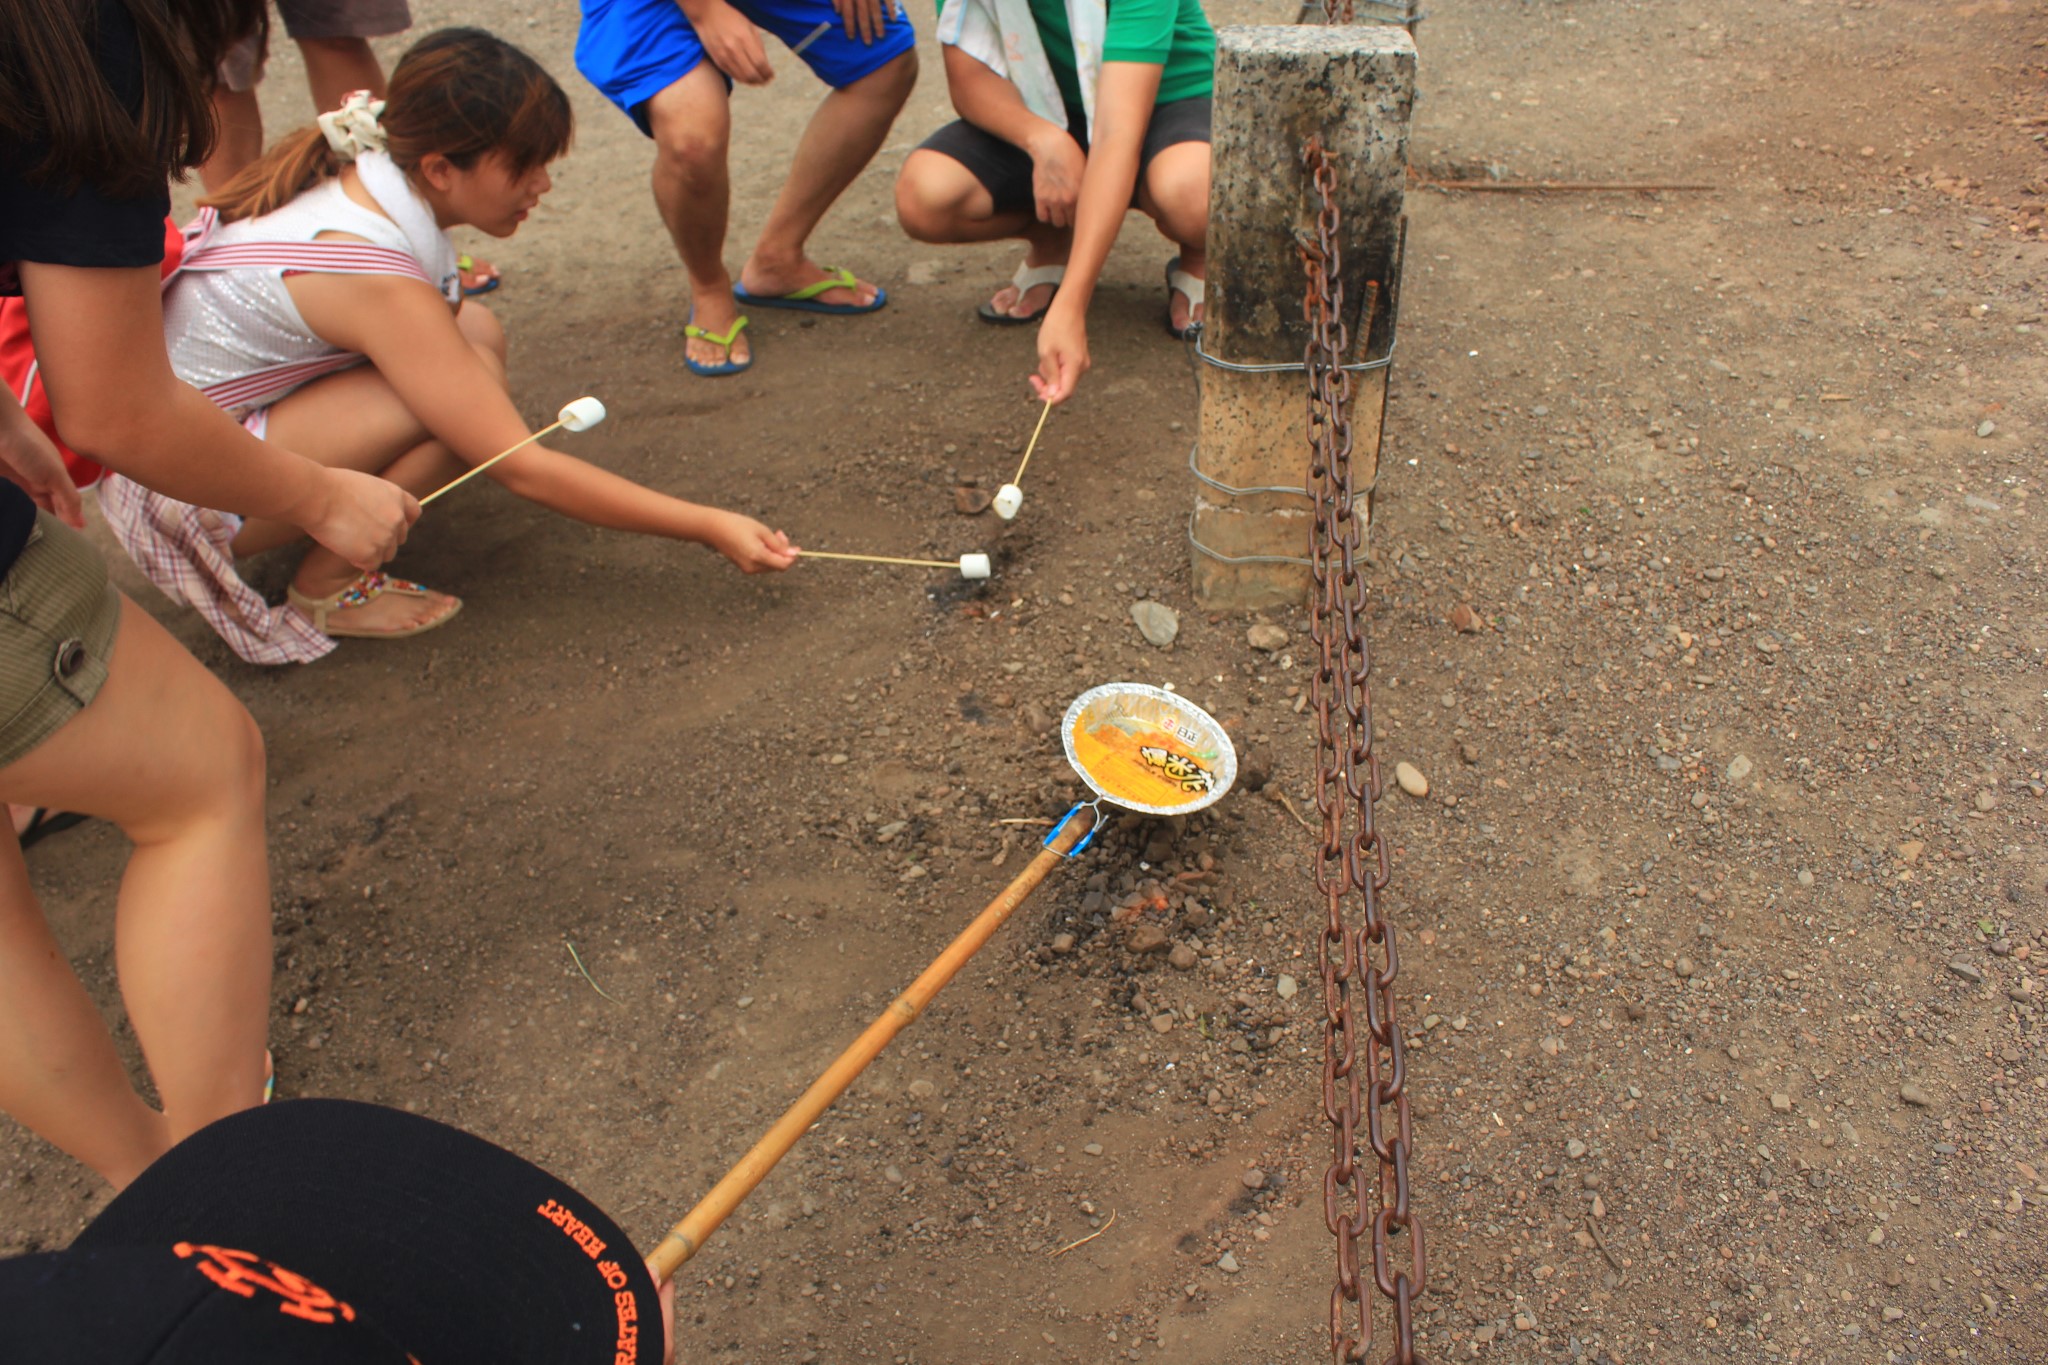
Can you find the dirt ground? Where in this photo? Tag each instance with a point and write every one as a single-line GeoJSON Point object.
{"type": "Point", "coordinates": [1724, 915]}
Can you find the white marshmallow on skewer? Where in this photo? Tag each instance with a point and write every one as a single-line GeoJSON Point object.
{"type": "Point", "coordinates": [582, 415]}
{"type": "Point", "coordinates": [1007, 500]}
{"type": "Point", "coordinates": [974, 566]}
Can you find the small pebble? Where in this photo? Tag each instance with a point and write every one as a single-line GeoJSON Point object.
{"type": "Point", "coordinates": [1159, 624]}
{"type": "Point", "coordinates": [1411, 779]}
{"type": "Point", "coordinates": [1227, 1263]}
{"type": "Point", "coordinates": [1915, 1096]}
{"type": "Point", "coordinates": [1253, 1178]}
{"type": "Point", "coordinates": [1267, 637]}
{"type": "Point", "coordinates": [1287, 986]}
{"type": "Point", "coordinates": [1575, 1149]}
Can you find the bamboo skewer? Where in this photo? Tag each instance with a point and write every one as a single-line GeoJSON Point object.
{"type": "Point", "coordinates": [1010, 496]}
{"type": "Point", "coordinates": [580, 415]}
{"type": "Point", "coordinates": [687, 1238]}
{"type": "Point", "coordinates": [474, 470]}
{"type": "Point", "coordinates": [880, 559]}
{"type": "Point", "coordinates": [971, 566]}
{"type": "Point", "coordinates": [1032, 444]}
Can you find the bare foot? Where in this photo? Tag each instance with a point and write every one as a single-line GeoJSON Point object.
{"type": "Point", "coordinates": [716, 313]}
{"type": "Point", "coordinates": [400, 608]}
{"type": "Point", "coordinates": [773, 281]}
{"type": "Point", "coordinates": [1025, 306]}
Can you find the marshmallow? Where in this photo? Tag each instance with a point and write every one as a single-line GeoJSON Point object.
{"type": "Point", "coordinates": [974, 566]}
{"type": "Point", "coordinates": [582, 415]}
{"type": "Point", "coordinates": [1007, 500]}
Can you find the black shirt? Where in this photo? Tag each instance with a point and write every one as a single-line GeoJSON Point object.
{"type": "Point", "coordinates": [79, 226]}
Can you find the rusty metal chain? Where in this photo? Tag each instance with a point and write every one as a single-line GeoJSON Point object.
{"type": "Point", "coordinates": [1339, 11]}
{"type": "Point", "coordinates": [1364, 1064]}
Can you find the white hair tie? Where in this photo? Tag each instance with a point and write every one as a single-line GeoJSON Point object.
{"type": "Point", "coordinates": [353, 129]}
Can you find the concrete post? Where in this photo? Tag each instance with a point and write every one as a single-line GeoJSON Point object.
{"type": "Point", "coordinates": [1275, 86]}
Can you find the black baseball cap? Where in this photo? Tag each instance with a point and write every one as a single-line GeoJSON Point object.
{"type": "Point", "coordinates": [413, 1240]}
{"type": "Point", "coordinates": [177, 1304]}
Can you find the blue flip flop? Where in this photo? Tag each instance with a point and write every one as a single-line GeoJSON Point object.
{"type": "Point", "coordinates": [467, 265]}
{"type": "Point", "coordinates": [805, 300]}
{"type": "Point", "coordinates": [723, 367]}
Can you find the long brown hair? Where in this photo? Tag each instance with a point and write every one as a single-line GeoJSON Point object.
{"type": "Point", "coordinates": [59, 110]}
{"type": "Point", "coordinates": [460, 92]}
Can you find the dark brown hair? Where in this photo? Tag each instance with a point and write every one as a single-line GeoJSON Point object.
{"type": "Point", "coordinates": [460, 92]}
{"type": "Point", "coordinates": [58, 108]}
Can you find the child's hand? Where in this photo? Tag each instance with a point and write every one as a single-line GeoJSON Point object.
{"type": "Point", "coordinates": [1062, 353]}
{"type": "Point", "coordinates": [749, 544]}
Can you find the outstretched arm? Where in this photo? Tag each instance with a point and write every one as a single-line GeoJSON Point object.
{"type": "Point", "coordinates": [1124, 97]}
{"type": "Point", "coordinates": [99, 338]}
{"type": "Point", "coordinates": [406, 330]}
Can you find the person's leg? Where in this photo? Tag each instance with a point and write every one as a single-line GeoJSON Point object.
{"type": "Point", "coordinates": [941, 200]}
{"type": "Point", "coordinates": [691, 123]}
{"type": "Point", "coordinates": [1173, 191]}
{"type": "Point", "coordinates": [337, 66]}
{"type": "Point", "coordinates": [240, 140]}
{"type": "Point", "coordinates": [356, 420]}
{"type": "Point", "coordinates": [235, 109]}
{"type": "Point", "coordinates": [166, 752]}
{"type": "Point", "coordinates": [59, 1073]}
{"type": "Point", "coordinates": [837, 145]}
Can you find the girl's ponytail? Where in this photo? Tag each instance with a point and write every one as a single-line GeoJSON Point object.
{"type": "Point", "coordinates": [294, 164]}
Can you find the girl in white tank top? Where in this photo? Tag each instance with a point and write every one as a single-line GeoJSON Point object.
{"type": "Point", "coordinates": [325, 308]}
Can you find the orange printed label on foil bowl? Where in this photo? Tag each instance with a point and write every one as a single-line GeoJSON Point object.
{"type": "Point", "coordinates": [1148, 749]}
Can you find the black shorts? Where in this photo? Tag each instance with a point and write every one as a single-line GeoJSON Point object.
{"type": "Point", "coordinates": [1004, 170]}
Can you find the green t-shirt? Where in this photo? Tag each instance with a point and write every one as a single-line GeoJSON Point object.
{"type": "Point", "coordinates": [1173, 34]}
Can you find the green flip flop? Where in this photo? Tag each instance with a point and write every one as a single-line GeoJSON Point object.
{"type": "Point", "coordinates": [724, 367]}
{"type": "Point", "coordinates": [805, 300]}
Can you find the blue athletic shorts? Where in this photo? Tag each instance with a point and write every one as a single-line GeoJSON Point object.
{"type": "Point", "coordinates": [632, 50]}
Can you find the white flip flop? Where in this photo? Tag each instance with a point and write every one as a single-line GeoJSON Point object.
{"type": "Point", "coordinates": [1027, 278]}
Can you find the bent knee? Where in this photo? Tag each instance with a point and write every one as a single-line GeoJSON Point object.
{"type": "Point", "coordinates": [222, 776]}
{"type": "Point", "coordinates": [481, 326]}
{"type": "Point", "coordinates": [923, 218]}
{"type": "Point", "coordinates": [1178, 184]}
{"type": "Point", "coordinates": [930, 198]}
{"type": "Point", "coordinates": [691, 149]}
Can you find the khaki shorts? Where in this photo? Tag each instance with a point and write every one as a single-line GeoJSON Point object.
{"type": "Point", "coordinates": [58, 614]}
{"type": "Point", "coordinates": [242, 68]}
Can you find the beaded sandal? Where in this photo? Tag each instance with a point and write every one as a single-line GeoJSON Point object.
{"type": "Point", "coordinates": [362, 592]}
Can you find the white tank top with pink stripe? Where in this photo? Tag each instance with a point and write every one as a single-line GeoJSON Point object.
{"type": "Point", "coordinates": [230, 323]}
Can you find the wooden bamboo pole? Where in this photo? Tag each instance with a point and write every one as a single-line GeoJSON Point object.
{"type": "Point", "coordinates": [687, 1237]}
